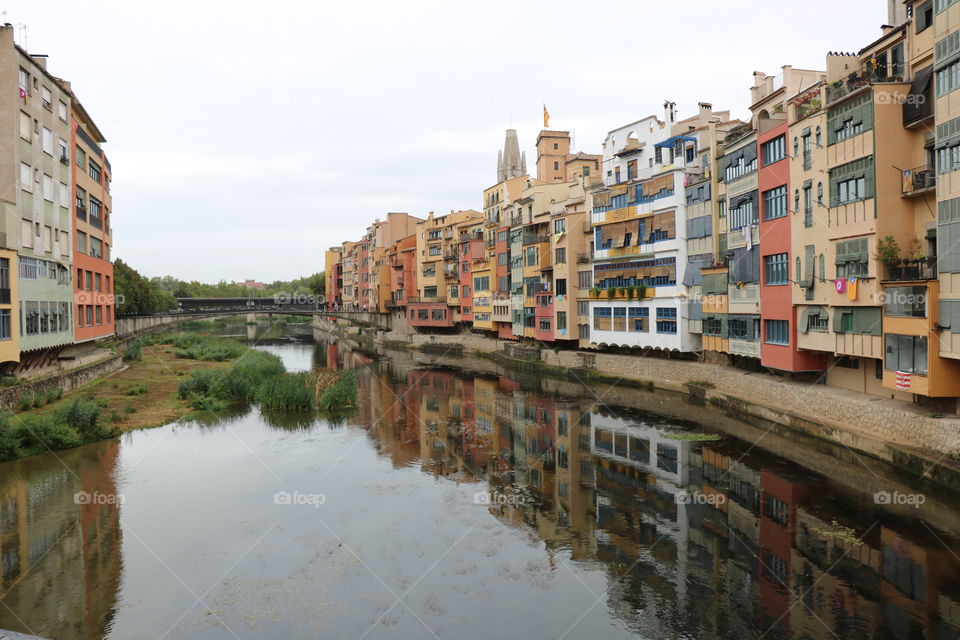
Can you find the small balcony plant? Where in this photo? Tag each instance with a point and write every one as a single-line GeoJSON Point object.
{"type": "Point", "coordinates": [888, 253]}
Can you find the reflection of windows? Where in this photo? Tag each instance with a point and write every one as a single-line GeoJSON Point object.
{"type": "Point", "coordinates": [906, 353]}
{"type": "Point", "coordinates": [667, 458]}
{"type": "Point", "coordinates": [774, 568]}
{"type": "Point", "coordinates": [776, 510]}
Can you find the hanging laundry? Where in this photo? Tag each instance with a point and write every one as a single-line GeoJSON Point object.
{"type": "Point", "coordinates": [748, 236]}
{"type": "Point", "coordinates": [840, 284]}
{"type": "Point", "coordinates": [852, 288]}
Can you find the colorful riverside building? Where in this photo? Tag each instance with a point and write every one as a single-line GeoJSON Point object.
{"type": "Point", "coordinates": [93, 277]}
{"type": "Point", "coordinates": [36, 292]}
{"type": "Point", "coordinates": [639, 222]}
{"type": "Point", "coordinates": [769, 98]}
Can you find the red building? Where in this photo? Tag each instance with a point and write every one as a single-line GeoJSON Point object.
{"type": "Point", "coordinates": [402, 258]}
{"type": "Point", "coordinates": [92, 240]}
{"type": "Point", "coordinates": [778, 345]}
{"type": "Point", "coordinates": [471, 250]}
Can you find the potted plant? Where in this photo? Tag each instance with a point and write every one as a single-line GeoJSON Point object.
{"type": "Point", "coordinates": [595, 292]}
{"type": "Point", "coordinates": [631, 293]}
{"type": "Point", "coordinates": [611, 293]}
{"type": "Point", "coordinates": [642, 290]}
{"type": "Point", "coordinates": [888, 253]}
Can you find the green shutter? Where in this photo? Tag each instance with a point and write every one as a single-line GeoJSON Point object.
{"type": "Point", "coordinates": [868, 321]}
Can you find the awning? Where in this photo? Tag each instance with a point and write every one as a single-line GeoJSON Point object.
{"type": "Point", "coordinates": [669, 142]}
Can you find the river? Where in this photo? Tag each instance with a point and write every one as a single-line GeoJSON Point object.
{"type": "Point", "coordinates": [472, 505]}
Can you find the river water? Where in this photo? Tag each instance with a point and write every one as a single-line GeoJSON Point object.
{"type": "Point", "coordinates": [472, 505]}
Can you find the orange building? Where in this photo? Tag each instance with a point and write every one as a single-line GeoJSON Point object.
{"type": "Point", "coordinates": [93, 271]}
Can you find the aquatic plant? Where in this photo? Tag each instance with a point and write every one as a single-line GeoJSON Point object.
{"type": "Point", "coordinates": [339, 394]}
{"type": "Point", "coordinates": [289, 391]}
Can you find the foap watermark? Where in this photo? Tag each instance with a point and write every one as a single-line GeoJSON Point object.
{"type": "Point", "coordinates": [299, 499]}
{"type": "Point", "coordinates": [896, 498]}
{"type": "Point", "coordinates": [913, 99]}
{"type": "Point", "coordinates": [698, 497]}
{"type": "Point", "coordinates": [97, 298]}
{"type": "Point", "coordinates": [97, 498]}
{"type": "Point", "coordinates": [497, 498]}
{"type": "Point", "coordinates": [298, 299]}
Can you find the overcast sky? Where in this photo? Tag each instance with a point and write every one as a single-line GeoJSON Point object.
{"type": "Point", "coordinates": [246, 138]}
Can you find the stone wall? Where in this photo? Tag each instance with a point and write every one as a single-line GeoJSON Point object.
{"type": "Point", "coordinates": [10, 397]}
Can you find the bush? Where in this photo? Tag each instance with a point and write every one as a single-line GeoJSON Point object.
{"type": "Point", "coordinates": [115, 416]}
{"type": "Point", "coordinates": [84, 417]}
{"type": "Point", "coordinates": [340, 395]}
{"type": "Point", "coordinates": [41, 433]}
{"type": "Point", "coordinates": [9, 445]}
{"type": "Point", "coordinates": [197, 385]}
{"type": "Point", "coordinates": [26, 401]}
{"type": "Point", "coordinates": [129, 409]}
{"type": "Point", "coordinates": [133, 351]}
{"type": "Point", "coordinates": [101, 402]}
{"type": "Point", "coordinates": [137, 390]}
{"type": "Point", "coordinates": [288, 391]}
{"type": "Point", "coordinates": [54, 394]}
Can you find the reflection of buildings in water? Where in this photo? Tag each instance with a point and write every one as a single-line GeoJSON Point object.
{"type": "Point", "coordinates": [606, 488]}
{"type": "Point", "coordinates": [61, 560]}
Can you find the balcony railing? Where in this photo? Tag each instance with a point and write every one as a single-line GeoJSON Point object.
{"type": "Point", "coordinates": [917, 181]}
{"type": "Point", "coordinates": [863, 77]}
{"type": "Point", "coordinates": [913, 270]}
{"type": "Point", "coordinates": [535, 238]}
{"type": "Point", "coordinates": [583, 258]}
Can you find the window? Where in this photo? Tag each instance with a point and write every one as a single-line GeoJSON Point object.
{"type": "Point", "coordinates": [602, 318]}
{"type": "Point", "coordinates": [47, 188]}
{"type": "Point", "coordinates": [429, 292]}
{"type": "Point", "coordinates": [62, 111]}
{"type": "Point", "coordinates": [777, 331]}
{"type": "Point", "coordinates": [583, 308]}
{"type": "Point", "coordinates": [775, 203]}
{"type": "Point", "coordinates": [47, 141]}
{"type": "Point", "coordinates": [948, 158]}
{"type": "Point", "coordinates": [532, 258]}
{"type": "Point", "coordinates": [46, 98]}
{"type": "Point", "coordinates": [848, 129]}
{"type": "Point", "coordinates": [561, 286]}
{"type": "Point", "coordinates": [433, 234]}
{"type": "Point", "coordinates": [89, 280]}
{"type": "Point", "coordinates": [89, 311]}
{"type": "Point", "coordinates": [95, 212]}
{"type": "Point", "coordinates": [943, 4]}
{"type": "Point", "coordinates": [851, 190]}
{"type": "Point", "coordinates": [774, 150]}
{"type": "Point", "coordinates": [99, 315]}
{"type": "Point", "coordinates": [712, 327]}
{"type": "Point", "coordinates": [561, 256]}
{"type": "Point", "coordinates": [823, 268]}
{"type": "Point", "coordinates": [24, 82]}
{"type": "Point", "coordinates": [96, 247]}
{"type": "Point", "coordinates": [503, 259]}
{"type": "Point", "coordinates": [503, 284]}
{"type": "Point", "coordinates": [26, 234]}
{"type": "Point", "coordinates": [739, 168]}
{"type": "Point", "coordinates": [556, 166]}
{"type": "Point", "coordinates": [905, 302]}
{"type": "Point", "coordinates": [544, 324]}
{"type": "Point", "coordinates": [481, 283]}
{"type": "Point", "coordinates": [738, 328]}
{"type": "Point", "coordinates": [584, 279]}
{"type": "Point", "coordinates": [808, 206]}
{"type": "Point", "coordinates": [94, 170]}
{"type": "Point", "coordinates": [743, 214]}
{"type": "Point", "coordinates": [559, 226]}
{"type": "Point", "coordinates": [465, 267]}
{"type": "Point", "coordinates": [666, 320]}
{"type": "Point", "coordinates": [639, 319]}
{"type": "Point", "coordinates": [818, 322]}
{"type": "Point", "coordinates": [26, 177]}
{"type": "Point", "coordinates": [776, 269]}
{"type": "Point", "coordinates": [776, 510]}
{"type": "Point", "coordinates": [561, 321]}
{"type": "Point", "coordinates": [434, 250]}
{"type": "Point", "coordinates": [906, 353]}
{"type": "Point", "coordinates": [26, 127]}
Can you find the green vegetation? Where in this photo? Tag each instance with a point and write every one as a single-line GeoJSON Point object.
{"type": "Point", "coordinates": [137, 390]}
{"type": "Point", "coordinates": [337, 391]}
{"type": "Point", "coordinates": [72, 425]}
{"type": "Point", "coordinates": [138, 295]}
{"type": "Point", "coordinates": [194, 346]}
{"type": "Point", "coordinates": [706, 384]}
{"type": "Point", "coordinates": [693, 437]}
{"type": "Point", "coordinates": [839, 532]}
{"type": "Point", "coordinates": [133, 351]}
{"type": "Point", "coordinates": [314, 284]}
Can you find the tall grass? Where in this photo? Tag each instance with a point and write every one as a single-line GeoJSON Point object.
{"type": "Point", "coordinates": [339, 395]}
{"type": "Point", "coordinates": [72, 425]}
{"type": "Point", "coordinates": [192, 346]}
{"type": "Point", "coordinates": [133, 351]}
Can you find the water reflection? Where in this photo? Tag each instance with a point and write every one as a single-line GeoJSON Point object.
{"type": "Point", "coordinates": [698, 539]}
{"type": "Point", "coordinates": [61, 559]}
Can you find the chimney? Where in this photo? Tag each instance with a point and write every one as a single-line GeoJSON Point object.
{"type": "Point", "coordinates": [669, 112]}
{"type": "Point", "coordinates": [40, 60]}
{"type": "Point", "coordinates": [705, 108]}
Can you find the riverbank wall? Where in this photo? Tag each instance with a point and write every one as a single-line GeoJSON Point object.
{"type": "Point", "coordinates": [11, 397]}
{"type": "Point", "coordinates": [893, 431]}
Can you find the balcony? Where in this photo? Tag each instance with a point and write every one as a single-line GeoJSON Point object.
{"type": "Point", "coordinates": [915, 270]}
{"type": "Point", "coordinates": [918, 181]}
{"type": "Point", "coordinates": [583, 258]}
{"type": "Point", "coordinates": [865, 76]}
{"type": "Point", "coordinates": [535, 238]}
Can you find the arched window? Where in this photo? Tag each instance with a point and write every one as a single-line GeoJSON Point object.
{"type": "Point", "coordinates": [819, 193]}
{"type": "Point", "coordinates": [796, 200]}
{"type": "Point", "coordinates": [796, 146]}
{"type": "Point", "coordinates": [796, 273]}
{"type": "Point", "coordinates": [819, 137]}
{"type": "Point", "coordinates": [823, 269]}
